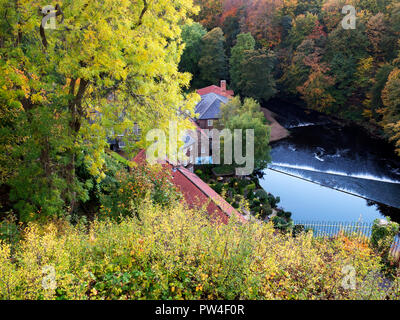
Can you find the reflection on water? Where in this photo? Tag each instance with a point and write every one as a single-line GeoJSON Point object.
{"type": "Point", "coordinates": [336, 157]}
{"type": "Point", "coordinates": [311, 202]}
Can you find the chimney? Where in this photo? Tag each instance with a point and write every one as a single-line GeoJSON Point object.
{"type": "Point", "coordinates": [223, 85]}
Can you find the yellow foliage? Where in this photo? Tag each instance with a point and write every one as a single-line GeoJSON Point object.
{"type": "Point", "coordinates": [178, 253]}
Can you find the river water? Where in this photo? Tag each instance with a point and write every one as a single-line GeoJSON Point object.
{"type": "Point", "coordinates": [328, 172]}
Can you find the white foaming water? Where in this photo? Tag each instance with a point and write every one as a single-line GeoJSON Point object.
{"type": "Point", "coordinates": [318, 158]}
{"type": "Point", "coordinates": [365, 176]}
{"type": "Point", "coordinates": [303, 124]}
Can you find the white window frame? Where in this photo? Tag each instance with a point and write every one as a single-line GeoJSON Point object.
{"type": "Point", "coordinates": [210, 123]}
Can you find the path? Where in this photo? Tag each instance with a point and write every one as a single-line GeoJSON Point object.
{"type": "Point", "coordinates": [277, 131]}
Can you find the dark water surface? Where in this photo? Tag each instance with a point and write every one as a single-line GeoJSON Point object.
{"type": "Point", "coordinates": [334, 157]}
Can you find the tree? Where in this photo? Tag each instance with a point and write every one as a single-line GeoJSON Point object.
{"type": "Point", "coordinates": [248, 115]}
{"type": "Point", "coordinates": [213, 62]}
{"type": "Point", "coordinates": [350, 43]}
{"type": "Point", "coordinates": [380, 80]}
{"type": "Point", "coordinates": [263, 21]}
{"type": "Point", "coordinates": [315, 89]}
{"type": "Point", "coordinates": [297, 71]}
{"type": "Point", "coordinates": [210, 13]}
{"type": "Point", "coordinates": [192, 37]}
{"type": "Point", "coordinates": [331, 13]}
{"type": "Point", "coordinates": [244, 41]}
{"type": "Point", "coordinates": [302, 26]}
{"type": "Point", "coordinates": [231, 29]}
{"type": "Point", "coordinates": [391, 109]}
{"type": "Point", "coordinates": [257, 79]}
{"type": "Point", "coordinates": [382, 38]}
{"type": "Point", "coordinates": [66, 89]}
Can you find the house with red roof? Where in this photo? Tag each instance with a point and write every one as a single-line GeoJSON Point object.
{"type": "Point", "coordinates": [209, 106]}
{"type": "Point", "coordinates": [221, 90]}
{"type": "Point", "coordinates": [207, 115]}
{"type": "Point", "coordinates": [197, 193]}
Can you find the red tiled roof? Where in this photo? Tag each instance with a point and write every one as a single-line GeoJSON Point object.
{"type": "Point", "coordinates": [215, 89]}
{"type": "Point", "coordinates": [197, 193]}
{"type": "Point", "coordinates": [140, 157]}
{"type": "Point", "coordinates": [216, 199]}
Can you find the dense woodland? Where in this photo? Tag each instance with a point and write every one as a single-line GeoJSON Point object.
{"type": "Point", "coordinates": [298, 49]}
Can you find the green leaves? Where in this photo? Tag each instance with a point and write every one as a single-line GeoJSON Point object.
{"type": "Point", "coordinates": [105, 61]}
{"type": "Point", "coordinates": [244, 41]}
{"type": "Point", "coordinates": [235, 115]}
{"type": "Point", "coordinates": [213, 63]}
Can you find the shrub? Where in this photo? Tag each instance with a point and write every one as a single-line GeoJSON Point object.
{"type": "Point", "coordinates": [284, 214]}
{"type": "Point", "coordinates": [122, 196]}
{"type": "Point", "coordinates": [9, 230]}
{"type": "Point", "coordinates": [273, 201]}
{"type": "Point", "coordinates": [282, 224]}
{"type": "Point", "coordinates": [298, 229]}
{"type": "Point", "coordinates": [382, 236]}
{"type": "Point", "coordinates": [261, 194]}
{"type": "Point", "coordinates": [251, 187]}
{"type": "Point", "coordinates": [265, 210]}
{"type": "Point", "coordinates": [223, 170]}
{"type": "Point", "coordinates": [217, 187]}
{"type": "Point", "coordinates": [250, 195]}
{"type": "Point", "coordinates": [173, 252]}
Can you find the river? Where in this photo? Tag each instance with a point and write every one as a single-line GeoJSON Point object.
{"type": "Point", "coordinates": [329, 172]}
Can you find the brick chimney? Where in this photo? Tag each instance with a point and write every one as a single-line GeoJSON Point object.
{"type": "Point", "coordinates": [223, 85]}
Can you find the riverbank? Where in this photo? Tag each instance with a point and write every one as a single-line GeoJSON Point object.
{"type": "Point", "coordinates": [278, 132]}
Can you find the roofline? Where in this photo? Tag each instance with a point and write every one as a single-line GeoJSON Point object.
{"type": "Point", "coordinates": [240, 216]}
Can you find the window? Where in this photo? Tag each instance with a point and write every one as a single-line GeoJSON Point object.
{"type": "Point", "coordinates": [209, 123]}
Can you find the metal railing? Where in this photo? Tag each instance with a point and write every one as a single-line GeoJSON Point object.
{"type": "Point", "coordinates": [330, 229]}
{"type": "Point", "coordinates": [359, 230]}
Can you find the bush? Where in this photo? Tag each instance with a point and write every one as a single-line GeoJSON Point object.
{"type": "Point", "coordinates": [273, 201]}
{"type": "Point", "coordinates": [265, 210]}
{"type": "Point", "coordinates": [223, 170]}
{"type": "Point", "coordinates": [284, 214]}
{"type": "Point", "coordinates": [282, 223]}
{"type": "Point", "coordinates": [217, 187]}
{"type": "Point", "coordinates": [382, 236]}
{"type": "Point", "coordinates": [250, 196]}
{"type": "Point", "coordinates": [122, 195]}
{"type": "Point", "coordinates": [298, 229]}
{"type": "Point", "coordinates": [9, 230]}
{"type": "Point", "coordinates": [261, 194]}
{"type": "Point", "coordinates": [251, 187]}
{"type": "Point", "coordinates": [149, 257]}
